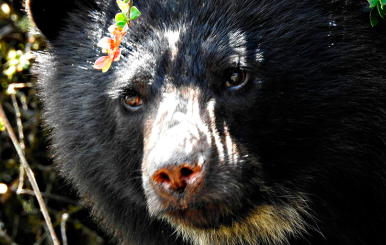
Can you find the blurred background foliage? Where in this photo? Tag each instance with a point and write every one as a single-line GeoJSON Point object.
{"type": "Point", "coordinates": [21, 221]}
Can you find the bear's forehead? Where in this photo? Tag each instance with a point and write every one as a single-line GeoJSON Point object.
{"type": "Point", "coordinates": [172, 52]}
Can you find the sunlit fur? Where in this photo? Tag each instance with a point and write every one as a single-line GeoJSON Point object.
{"type": "Point", "coordinates": [275, 224]}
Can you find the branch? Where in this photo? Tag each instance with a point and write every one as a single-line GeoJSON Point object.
{"type": "Point", "coordinates": [63, 228]}
{"type": "Point", "coordinates": [4, 235]}
{"type": "Point", "coordinates": [30, 175]}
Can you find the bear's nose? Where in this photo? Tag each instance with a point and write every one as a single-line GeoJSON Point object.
{"type": "Point", "coordinates": [179, 178]}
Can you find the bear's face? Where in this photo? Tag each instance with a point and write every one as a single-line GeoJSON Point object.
{"type": "Point", "coordinates": [224, 122]}
{"type": "Point", "coordinates": [189, 91]}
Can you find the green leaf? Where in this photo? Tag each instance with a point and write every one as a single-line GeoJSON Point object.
{"type": "Point", "coordinates": [123, 6]}
{"type": "Point", "coordinates": [383, 2]}
{"type": "Point", "coordinates": [381, 10]}
{"type": "Point", "coordinates": [121, 24]}
{"type": "Point", "coordinates": [374, 19]}
{"type": "Point", "coordinates": [10, 71]}
{"type": "Point", "coordinates": [120, 17]}
{"type": "Point", "coordinates": [134, 13]}
{"type": "Point", "coordinates": [120, 28]}
{"type": "Point", "coordinates": [373, 3]}
{"type": "Point", "coordinates": [2, 127]}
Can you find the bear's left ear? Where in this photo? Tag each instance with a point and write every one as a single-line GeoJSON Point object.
{"type": "Point", "coordinates": [50, 15]}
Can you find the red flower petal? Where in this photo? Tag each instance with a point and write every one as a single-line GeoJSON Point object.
{"type": "Point", "coordinates": [118, 39]}
{"type": "Point", "coordinates": [117, 55]}
{"type": "Point", "coordinates": [112, 53]}
{"type": "Point", "coordinates": [99, 62]}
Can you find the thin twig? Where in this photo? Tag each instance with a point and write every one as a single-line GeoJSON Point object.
{"type": "Point", "coordinates": [63, 228]}
{"type": "Point", "coordinates": [11, 90]}
{"type": "Point", "coordinates": [21, 137]}
{"type": "Point", "coordinates": [18, 121]}
{"type": "Point", "coordinates": [13, 86]}
{"type": "Point", "coordinates": [41, 239]}
{"type": "Point", "coordinates": [30, 176]}
{"type": "Point", "coordinates": [21, 179]}
{"type": "Point", "coordinates": [4, 235]}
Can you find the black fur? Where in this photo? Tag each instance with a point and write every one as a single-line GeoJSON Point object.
{"type": "Point", "coordinates": [309, 125]}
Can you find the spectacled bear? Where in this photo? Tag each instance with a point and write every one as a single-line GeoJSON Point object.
{"type": "Point", "coordinates": [248, 122]}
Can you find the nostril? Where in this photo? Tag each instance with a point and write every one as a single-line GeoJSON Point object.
{"type": "Point", "coordinates": [161, 177]}
{"type": "Point", "coordinates": [186, 172]}
{"type": "Point", "coordinates": [178, 178]}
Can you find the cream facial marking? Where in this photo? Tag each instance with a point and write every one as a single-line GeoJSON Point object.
{"type": "Point", "coordinates": [232, 151]}
{"type": "Point", "coordinates": [173, 37]}
{"type": "Point", "coordinates": [216, 136]}
{"type": "Point", "coordinates": [238, 41]}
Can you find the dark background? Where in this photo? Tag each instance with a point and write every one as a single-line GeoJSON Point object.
{"type": "Point", "coordinates": [21, 221]}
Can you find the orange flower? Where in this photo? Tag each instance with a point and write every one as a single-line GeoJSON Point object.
{"type": "Point", "coordinates": [111, 47]}
{"type": "Point", "coordinates": [115, 30]}
{"type": "Point", "coordinates": [106, 43]}
{"type": "Point", "coordinates": [104, 63]}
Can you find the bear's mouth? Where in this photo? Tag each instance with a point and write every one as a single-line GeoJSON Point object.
{"type": "Point", "coordinates": [208, 216]}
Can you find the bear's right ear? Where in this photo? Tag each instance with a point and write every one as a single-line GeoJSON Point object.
{"type": "Point", "coordinates": [50, 15]}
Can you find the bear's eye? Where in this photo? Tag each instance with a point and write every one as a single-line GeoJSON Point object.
{"type": "Point", "coordinates": [236, 79]}
{"type": "Point", "coordinates": [132, 101]}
